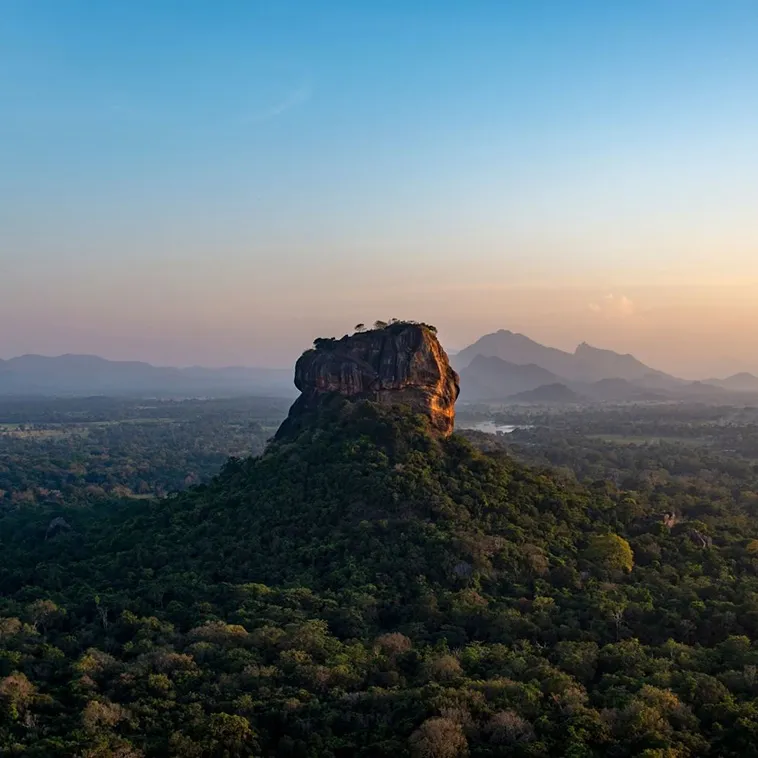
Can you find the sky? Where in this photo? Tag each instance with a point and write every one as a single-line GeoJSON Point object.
{"type": "Point", "coordinates": [195, 182]}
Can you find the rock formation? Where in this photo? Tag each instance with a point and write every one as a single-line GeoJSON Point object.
{"type": "Point", "coordinates": [401, 363]}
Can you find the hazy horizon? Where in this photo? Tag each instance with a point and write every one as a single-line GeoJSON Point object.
{"type": "Point", "coordinates": [219, 183]}
{"type": "Point", "coordinates": [550, 334]}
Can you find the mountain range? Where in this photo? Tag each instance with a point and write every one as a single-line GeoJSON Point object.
{"type": "Point", "coordinates": [586, 363]}
{"type": "Point", "coordinates": [92, 375]}
{"type": "Point", "coordinates": [508, 366]}
{"type": "Point", "coordinates": [496, 367]}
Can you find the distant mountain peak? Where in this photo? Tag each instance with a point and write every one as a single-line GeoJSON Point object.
{"type": "Point", "coordinates": [587, 364]}
{"type": "Point", "coordinates": [741, 382]}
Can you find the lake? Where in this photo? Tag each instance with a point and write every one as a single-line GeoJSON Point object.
{"type": "Point", "coordinates": [490, 427]}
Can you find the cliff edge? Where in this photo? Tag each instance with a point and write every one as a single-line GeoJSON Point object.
{"type": "Point", "coordinates": [401, 363]}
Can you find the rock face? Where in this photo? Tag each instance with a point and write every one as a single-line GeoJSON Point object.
{"type": "Point", "coordinates": [401, 363]}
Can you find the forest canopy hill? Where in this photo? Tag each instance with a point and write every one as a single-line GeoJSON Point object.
{"type": "Point", "coordinates": [369, 587]}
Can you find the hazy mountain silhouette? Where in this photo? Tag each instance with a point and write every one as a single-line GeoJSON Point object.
{"type": "Point", "coordinates": [504, 364]}
{"type": "Point", "coordinates": [90, 374]}
{"type": "Point", "coordinates": [586, 363]}
{"type": "Point", "coordinates": [517, 349]}
{"type": "Point", "coordinates": [742, 382]}
{"type": "Point", "coordinates": [548, 393]}
{"type": "Point", "coordinates": [594, 363]}
{"type": "Point", "coordinates": [621, 390]}
{"type": "Point", "coordinates": [704, 391]}
{"type": "Point", "coordinates": [491, 378]}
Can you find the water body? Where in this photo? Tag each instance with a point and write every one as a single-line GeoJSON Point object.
{"type": "Point", "coordinates": [490, 427]}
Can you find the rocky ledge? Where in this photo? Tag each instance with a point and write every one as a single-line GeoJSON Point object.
{"type": "Point", "coordinates": [398, 363]}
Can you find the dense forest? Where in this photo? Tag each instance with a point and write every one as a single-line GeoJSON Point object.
{"type": "Point", "coordinates": [83, 449]}
{"type": "Point", "coordinates": [367, 589]}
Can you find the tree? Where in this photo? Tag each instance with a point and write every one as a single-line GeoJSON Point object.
{"type": "Point", "coordinates": [41, 612]}
{"type": "Point", "coordinates": [360, 327]}
{"type": "Point", "coordinates": [113, 749]}
{"type": "Point", "coordinates": [507, 728]}
{"type": "Point", "coordinates": [393, 643]}
{"type": "Point", "coordinates": [610, 552]}
{"type": "Point", "coordinates": [229, 734]}
{"type": "Point", "coordinates": [17, 693]}
{"type": "Point", "coordinates": [439, 738]}
{"type": "Point", "coordinates": [101, 715]}
{"type": "Point", "coordinates": [617, 616]}
{"type": "Point", "coordinates": [445, 668]}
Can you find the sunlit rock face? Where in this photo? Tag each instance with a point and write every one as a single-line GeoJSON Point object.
{"type": "Point", "coordinates": [400, 363]}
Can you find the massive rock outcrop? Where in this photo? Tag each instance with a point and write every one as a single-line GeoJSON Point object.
{"type": "Point", "coordinates": [400, 363]}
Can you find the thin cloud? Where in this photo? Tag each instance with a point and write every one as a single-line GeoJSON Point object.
{"type": "Point", "coordinates": [613, 305]}
{"type": "Point", "coordinates": [292, 100]}
{"type": "Point", "coordinates": [119, 109]}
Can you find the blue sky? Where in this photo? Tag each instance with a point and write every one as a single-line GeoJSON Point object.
{"type": "Point", "coordinates": [220, 182]}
